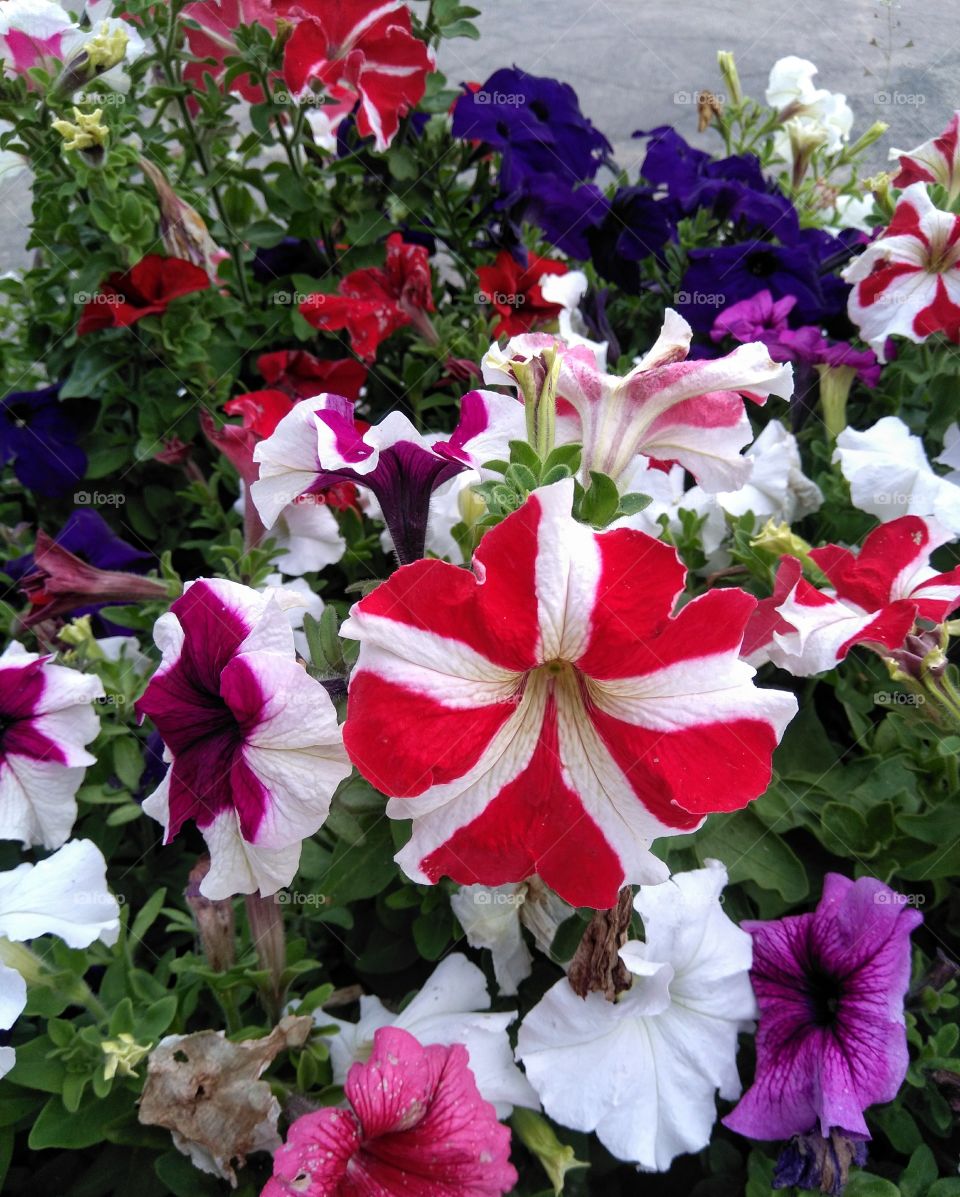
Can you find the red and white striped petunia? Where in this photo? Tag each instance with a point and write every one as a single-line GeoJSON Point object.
{"type": "Point", "coordinates": [364, 49]}
{"type": "Point", "coordinates": [936, 161]}
{"type": "Point", "coordinates": [666, 407]}
{"type": "Point", "coordinates": [548, 713]}
{"type": "Point", "coordinates": [907, 282]}
{"type": "Point", "coordinates": [876, 597]}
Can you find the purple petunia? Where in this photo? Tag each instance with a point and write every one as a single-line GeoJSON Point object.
{"type": "Point", "coordinates": [830, 986]}
{"type": "Point", "coordinates": [39, 437]}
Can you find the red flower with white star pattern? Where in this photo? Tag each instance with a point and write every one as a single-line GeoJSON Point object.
{"type": "Point", "coordinates": [549, 713]}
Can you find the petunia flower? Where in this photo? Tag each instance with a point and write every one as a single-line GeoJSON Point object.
{"type": "Point", "coordinates": [372, 302]}
{"type": "Point", "coordinates": [830, 986]}
{"type": "Point", "coordinates": [39, 437]}
{"type": "Point", "coordinates": [302, 376]}
{"type": "Point", "coordinates": [935, 161]}
{"type": "Point", "coordinates": [493, 917]}
{"type": "Point", "coordinates": [319, 444]}
{"type": "Point", "coordinates": [453, 1006]}
{"type": "Point", "coordinates": [547, 714]}
{"type": "Point", "coordinates": [890, 476]}
{"type": "Point", "coordinates": [643, 1071]}
{"type": "Point", "coordinates": [875, 598]}
{"type": "Point", "coordinates": [253, 740]}
{"type": "Point", "coordinates": [65, 895]}
{"type": "Point", "coordinates": [753, 319]}
{"type": "Point", "coordinates": [666, 407]}
{"type": "Point", "coordinates": [46, 721]}
{"type": "Point", "coordinates": [35, 33]}
{"type": "Point", "coordinates": [415, 1123]}
{"type": "Point", "coordinates": [359, 50]}
{"type": "Point", "coordinates": [536, 124]}
{"type": "Point", "coordinates": [777, 488]}
{"type": "Point", "coordinates": [183, 231]}
{"type": "Point", "coordinates": [146, 289]}
{"type": "Point", "coordinates": [210, 27]}
{"type": "Point", "coordinates": [59, 583]}
{"type": "Point", "coordinates": [907, 281]}
{"type": "Point", "coordinates": [815, 110]}
{"type": "Point", "coordinates": [514, 292]}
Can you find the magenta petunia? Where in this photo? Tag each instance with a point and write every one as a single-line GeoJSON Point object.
{"type": "Point", "coordinates": [830, 986]}
{"type": "Point", "coordinates": [254, 743]}
{"type": "Point", "coordinates": [417, 1126]}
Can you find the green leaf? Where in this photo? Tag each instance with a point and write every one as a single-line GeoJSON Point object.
{"type": "Point", "coordinates": [56, 1126]}
{"type": "Point", "coordinates": [920, 1173]}
{"type": "Point", "coordinates": [864, 1184]}
{"type": "Point", "coordinates": [128, 761]}
{"type": "Point", "coordinates": [360, 870]}
{"type": "Point", "coordinates": [634, 502]}
{"type": "Point", "coordinates": [90, 367]}
{"type": "Point", "coordinates": [183, 1179]}
{"type": "Point", "coordinates": [752, 853]}
{"type": "Point", "coordinates": [147, 915]}
{"type": "Point", "coordinates": [601, 500]}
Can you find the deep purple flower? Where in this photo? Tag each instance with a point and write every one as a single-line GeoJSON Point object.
{"type": "Point", "coordinates": [830, 986]}
{"type": "Point", "coordinates": [566, 215]}
{"type": "Point", "coordinates": [292, 254]}
{"type": "Point", "coordinates": [536, 124]}
{"type": "Point", "coordinates": [716, 278]}
{"type": "Point", "coordinates": [815, 1162]}
{"type": "Point", "coordinates": [670, 161]}
{"type": "Point", "coordinates": [319, 444]}
{"type": "Point", "coordinates": [636, 227]}
{"type": "Point", "coordinates": [39, 437]}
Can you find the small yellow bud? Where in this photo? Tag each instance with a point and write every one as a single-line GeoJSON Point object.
{"type": "Point", "coordinates": [85, 132]}
{"type": "Point", "coordinates": [122, 1055]}
{"type": "Point", "coordinates": [778, 539]}
{"type": "Point", "coordinates": [106, 48]}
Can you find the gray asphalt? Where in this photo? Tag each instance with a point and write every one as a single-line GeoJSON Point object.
{"type": "Point", "coordinates": [635, 63]}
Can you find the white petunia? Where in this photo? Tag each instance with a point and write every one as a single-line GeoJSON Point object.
{"type": "Point", "coordinates": [492, 917]}
{"type": "Point", "coordinates": [817, 112]}
{"type": "Point", "coordinates": [777, 488]}
{"type": "Point", "coordinates": [643, 1071]}
{"type": "Point", "coordinates": [452, 1007]}
{"type": "Point", "coordinates": [890, 476]}
{"type": "Point", "coordinates": [568, 290]}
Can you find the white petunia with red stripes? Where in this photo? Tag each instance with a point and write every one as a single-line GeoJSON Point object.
{"type": "Point", "coordinates": [875, 599]}
{"type": "Point", "coordinates": [548, 713]}
{"type": "Point", "coordinates": [907, 282]}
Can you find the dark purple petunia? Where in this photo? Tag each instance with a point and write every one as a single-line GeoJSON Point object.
{"type": "Point", "coordinates": [565, 215]}
{"type": "Point", "coordinates": [292, 254]}
{"type": "Point", "coordinates": [320, 443]}
{"type": "Point", "coordinates": [40, 440]}
{"type": "Point", "coordinates": [637, 226]}
{"type": "Point", "coordinates": [830, 986]}
{"type": "Point", "coordinates": [536, 124]}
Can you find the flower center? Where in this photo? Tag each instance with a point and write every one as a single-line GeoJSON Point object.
{"type": "Point", "coordinates": [942, 255]}
{"type": "Point", "coordinates": [825, 993]}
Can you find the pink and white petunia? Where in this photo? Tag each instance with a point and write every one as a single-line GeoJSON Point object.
{"type": "Point", "coordinates": [320, 443]}
{"type": "Point", "coordinates": [907, 282]}
{"type": "Point", "coordinates": [358, 50]}
{"type": "Point", "coordinates": [452, 1007]}
{"type": "Point", "coordinates": [46, 719]}
{"type": "Point", "coordinates": [547, 713]}
{"type": "Point", "coordinates": [416, 1126]}
{"type": "Point", "coordinates": [35, 33]}
{"type": "Point", "coordinates": [666, 407]}
{"type": "Point", "coordinates": [875, 598]}
{"type": "Point", "coordinates": [643, 1071]}
{"type": "Point", "coordinates": [890, 476]}
{"type": "Point", "coordinates": [253, 740]}
{"type": "Point", "coordinates": [65, 895]}
{"type": "Point", "coordinates": [936, 161]}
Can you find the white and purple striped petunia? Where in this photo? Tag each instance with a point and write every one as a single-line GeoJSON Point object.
{"type": "Point", "coordinates": [45, 722]}
{"type": "Point", "coordinates": [253, 740]}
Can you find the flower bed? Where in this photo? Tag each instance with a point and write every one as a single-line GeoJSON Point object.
{"type": "Point", "coordinates": [477, 714]}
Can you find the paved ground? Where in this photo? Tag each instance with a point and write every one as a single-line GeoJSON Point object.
{"type": "Point", "coordinates": [635, 63]}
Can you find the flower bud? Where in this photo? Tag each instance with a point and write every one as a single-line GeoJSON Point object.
{"type": "Point", "coordinates": [805, 140]}
{"type": "Point", "coordinates": [86, 133]}
{"type": "Point", "coordinates": [730, 75]}
{"type": "Point", "coordinates": [182, 229]}
{"type": "Point", "coordinates": [780, 541]}
{"type": "Point", "coordinates": [865, 140]}
{"type": "Point", "coordinates": [216, 925]}
{"type": "Point", "coordinates": [122, 1055]}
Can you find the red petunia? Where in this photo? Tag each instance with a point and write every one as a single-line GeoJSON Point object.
{"type": "Point", "coordinates": [374, 302]}
{"type": "Point", "coordinates": [302, 376]}
{"type": "Point", "coordinates": [514, 292]}
{"type": "Point", "coordinates": [359, 50]}
{"type": "Point", "coordinates": [144, 290]}
{"type": "Point", "coordinates": [217, 21]}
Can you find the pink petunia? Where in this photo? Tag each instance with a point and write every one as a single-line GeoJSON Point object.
{"type": "Point", "coordinates": [875, 598]}
{"type": "Point", "coordinates": [358, 50]}
{"type": "Point", "coordinates": [548, 713]}
{"type": "Point", "coordinates": [416, 1126]}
